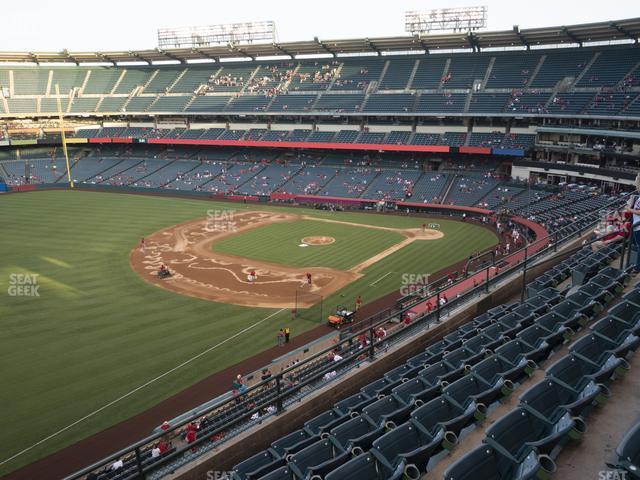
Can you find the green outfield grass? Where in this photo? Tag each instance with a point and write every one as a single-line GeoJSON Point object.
{"type": "Point", "coordinates": [280, 243]}
{"type": "Point", "coordinates": [97, 331]}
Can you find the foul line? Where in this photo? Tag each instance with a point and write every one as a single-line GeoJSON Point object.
{"type": "Point", "coordinates": [384, 276]}
{"type": "Point", "coordinates": [122, 397]}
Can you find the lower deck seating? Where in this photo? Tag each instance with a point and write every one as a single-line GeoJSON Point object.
{"type": "Point", "coordinates": [393, 185]}
{"type": "Point", "coordinates": [397, 424]}
{"type": "Point", "coordinates": [349, 182]}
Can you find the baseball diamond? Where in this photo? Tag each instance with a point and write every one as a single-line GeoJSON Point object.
{"type": "Point", "coordinates": [200, 271]}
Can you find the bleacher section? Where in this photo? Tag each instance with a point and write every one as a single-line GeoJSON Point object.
{"type": "Point", "coordinates": [349, 183]}
{"type": "Point", "coordinates": [132, 78]}
{"type": "Point", "coordinates": [512, 70]}
{"type": "Point", "coordinates": [207, 104]}
{"type": "Point", "coordinates": [390, 103]}
{"type": "Point", "coordinates": [429, 85]}
{"type": "Point", "coordinates": [292, 103]}
{"type": "Point", "coordinates": [162, 80]}
{"type": "Point", "coordinates": [309, 181]}
{"type": "Point", "coordinates": [611, 67]}
{"type": "Point", "coordinates": [358, 74]}
{"type": "Point", "coordinates": [393, 185]}
{"type": "Point", "coordinates": [533, 102]}
{"type": "Point", "coordinates": [191, 175]}
{"type": "Point", "coordinates": [464, 70]}
{"type": "Point", "coordinates": [570, 103]}
{"type": "Point", "coordinates": [430, 188]}
{"type": "Point", "coordinates": [269, 180]}
{"type": "Point", "coordinates": [469, 189]}
{"type": "Point", "coordinates": [30, 81]}
{"type": "Point", "coordinates": [342, 103]}
{"type": "Point", "coordinates": [488, 102]}
{"type": "Point", "coordinates": [398, 74]}
{"type": "Point", "coordinates": [429, 73]}
{"type": "Point", "coordinates": [441, 103]}
{"type": "Point", "coordinates": [194, 78]}
{"type": "Point", "coordinates": [101, 81]}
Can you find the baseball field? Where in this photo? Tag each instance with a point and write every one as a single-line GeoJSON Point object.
{"type": "Point", "coordinates": [88, 338]}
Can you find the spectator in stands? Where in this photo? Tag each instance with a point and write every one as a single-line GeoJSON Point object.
{"type": "Point", "coordinates": [190, 437]}
{"type": "Point", "coordinates": [238, 386]}
{"type": "Point", "coordinates": [380, 333]}
{"type": "Point", "coordinates": [444, 304]}
{"type": "Point", "coordinates": [604, 236]}
{"type": "Point", "coordinates": [633, 207]}
{"type": "Point", "coordinates": [163, 446]}
{"type": "Point", "coordinates": [155, 452]}
{"type": "Point", "coordinates": [204, 423]}
{"type": "Point", "coordinates": [329, 375]}
{"type": "Point", "coordinates": [615, 232]}
{"type": "Point", "coordinates": [117, 465]}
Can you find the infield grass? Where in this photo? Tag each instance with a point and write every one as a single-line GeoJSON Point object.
{"type": "Point", "coordinates": [97, 331]}
{"type": "Point", "coordinates": [280, 243]}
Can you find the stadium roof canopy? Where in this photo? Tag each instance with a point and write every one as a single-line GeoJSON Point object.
{"type": "Point", "coordinates": [608, 31]}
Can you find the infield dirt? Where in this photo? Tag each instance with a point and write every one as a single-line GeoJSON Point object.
{"type": "Point", "coordinates": [199, 271]}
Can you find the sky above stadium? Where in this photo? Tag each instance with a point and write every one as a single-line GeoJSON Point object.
{"type": "Point", "coordinates": [42, 25]}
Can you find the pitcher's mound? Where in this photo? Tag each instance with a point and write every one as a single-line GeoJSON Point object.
{"type": "Point", "coordinates": [318, 240]}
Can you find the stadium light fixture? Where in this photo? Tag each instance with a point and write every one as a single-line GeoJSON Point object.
{"type": "Point", "coordinates": [225, 34]}
{"type": "Point", "coordinates": [462, 19]}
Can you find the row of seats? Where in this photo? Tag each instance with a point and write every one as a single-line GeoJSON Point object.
{"type": "Point", "coordinates": [592, 103]}
{"type": "Point", "coordinates": [523, 443]}
{"type": "Point", "coordinates": [395, 425]}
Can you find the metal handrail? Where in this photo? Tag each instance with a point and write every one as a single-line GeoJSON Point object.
{"type": "Point", "coordinates": [550, 242]}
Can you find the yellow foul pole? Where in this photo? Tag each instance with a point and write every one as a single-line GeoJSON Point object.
{"type": "Point", "coordinates": [62, 135]}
